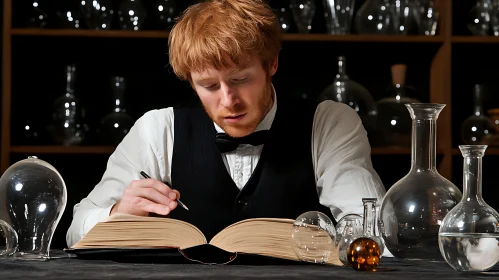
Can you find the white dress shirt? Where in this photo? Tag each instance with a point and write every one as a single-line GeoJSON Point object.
{"type": "Point", "coordinates": [340, 152]}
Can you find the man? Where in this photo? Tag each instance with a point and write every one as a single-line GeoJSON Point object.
{"type": "Point", "coordinates": [300, 158]}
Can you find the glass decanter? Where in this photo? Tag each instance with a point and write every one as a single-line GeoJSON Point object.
{"type": "Point", "coordinates": [415, 206]}
{"type": "Point", "coordinates": [477, 127]}
{"type": "Point", "coordinates": [34, 198]}
{"type": "Point", "coordinates": [349, 92]}
{"type": "Point", "coordinates": [469, 234]}
{"type": "Point", "coordinates": [376, 17]}
{"type": "Point", "coordinates": [393, 122]}
{"type": "Point", "coordinates": [365, 251]}
{"type": "Point", "coordinates": [116, 125]}
{"type": "Point", "coordinates": [167, 11]}
{"type": "Point", "coordinates": [37, 17]}
{"type": "Point", "coordinates": [97, 14]}
{"type": "Point", "coordinates": [132, 14]}
{"type": "Point", "coordinates": [478, 22]}
{"type": "Point", "coordinates": [339, 15]}
{"type": "Point", "coordinates": [303, 12]}
{"type": "Point", "coordinates": [67, 126]}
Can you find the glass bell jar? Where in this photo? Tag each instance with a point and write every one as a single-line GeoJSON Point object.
{"type": "Point", "coordinates": [314, 237]}
{"type": "Point", "coordinates": [116, 125]}
{"type": "Point", "coordinates": [351, 93]}
{"type": "Point", "coordinates": [393, 122]}
{"type": "Point", "coordinates": [33, 200]}
{"type": "Point", "coordinates": [415, 206]}
{"type": "Point", "coordinates": [469, 234]}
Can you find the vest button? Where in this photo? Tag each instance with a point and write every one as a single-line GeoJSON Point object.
{"type": "Point", "coordinates": [242, 205]}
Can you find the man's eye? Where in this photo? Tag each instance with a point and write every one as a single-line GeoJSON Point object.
{"type": "Point", "coordinates": [213, 86]}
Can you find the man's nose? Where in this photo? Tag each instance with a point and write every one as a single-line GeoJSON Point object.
{"type": "Point", "coordinates": [229, 95]}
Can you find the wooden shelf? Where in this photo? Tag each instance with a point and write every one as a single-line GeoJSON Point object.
{"type": "Point", "coordinates": [62, 149]}
{"type": "Point", "coordinates": [164, 34]}
{"type": "Point", "coordinates": [475, 39]}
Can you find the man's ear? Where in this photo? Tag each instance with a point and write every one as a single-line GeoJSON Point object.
{"type": "Point", "coordinates": [273, 65]}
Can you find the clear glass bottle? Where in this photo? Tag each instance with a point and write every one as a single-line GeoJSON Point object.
{"type": "Point", "coordinates": [477, 127]}
{"type": "Point", "coordinates": [376, 17]}
{"type": "Point", "coordinates": [469, 234]}
{"type": "Point", "coordinates": [349, 92]}
{"type": "Point", "coordinates": [415, 206]}
{"type": "Point", "coordinates": [303, 12]}
{"type": "Point", "coordinates": [393, 121]}
{"type": "Point", "coordinates": [479, 19]}
{"type": "Point", "coordinates": [429, 17]}
{"type": "Point", "coordinates": [116, 125]}
{"type": "Point", "coordinates": [67, 126]}
{"type": "Point", "coordinates": [132, 15]}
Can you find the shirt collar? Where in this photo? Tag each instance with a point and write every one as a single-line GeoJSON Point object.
{"type": "Point", "coordinates": [266, 123]}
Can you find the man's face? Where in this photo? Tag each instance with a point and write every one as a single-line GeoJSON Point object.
{"type": "Point", "coordinates": [238, 98]}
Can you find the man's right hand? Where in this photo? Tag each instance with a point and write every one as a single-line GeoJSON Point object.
{"type": "Point", "coordinates": [147, 196]}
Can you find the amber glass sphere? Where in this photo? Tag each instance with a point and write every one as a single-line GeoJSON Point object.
{"type": "Point", "coordinates": [363, 254]}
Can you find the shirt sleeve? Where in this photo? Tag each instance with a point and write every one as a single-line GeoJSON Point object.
{"type": "Point", "coordinates": [143, 149]}
{"type": "Point", "coordinates": [342, 160]}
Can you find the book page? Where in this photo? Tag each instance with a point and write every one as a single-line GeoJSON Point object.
{"type": "Point", "coordinates": [128, 231]}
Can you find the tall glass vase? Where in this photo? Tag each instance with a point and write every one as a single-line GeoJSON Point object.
{"type": "Point", "coordinates": [414, 207]}
{"type": "Point", "coordinates": [469, 234]}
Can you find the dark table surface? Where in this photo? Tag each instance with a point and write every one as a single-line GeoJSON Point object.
{"type": "Point", "coordinates": [72, 268]}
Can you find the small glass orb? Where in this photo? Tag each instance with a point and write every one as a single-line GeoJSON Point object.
{"type": "Point", "coordinates": [314, 237]}
{"type": "Point", "coordinates": [364, 254]}
{"type": "Point", "coordinates": [8, 239]}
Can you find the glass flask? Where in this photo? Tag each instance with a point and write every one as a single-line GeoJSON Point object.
{"type": "Point", "coordinates": [415, 206]}
{"type": "Point", "coordinates": [376, 17]}
{"type": "Point", "coordinates": [33, 200]}
{"type": "Point", "coordinates": [8, 239]}
{"type": "Point", "coordinates": [303, 12]}
{"type": "Point", "coordinates": [132, 14]}
{"type": "Point", "coordinates": [479, 19]}
{"type": "Point", "coordinates": [349, 92]}
{"type": "Point", "coordinates": [67, 127]}
{"type": "Point", "coordinates": [339, 16]}
{"type": "Point", "coordinates": [364, 251]}
{"type": "Point", "coordinates": [428, 18]}
{"type": "Point", "coordinates": [477, 127]}
{"type": "Point", "coordinates": [347, 229]}
{"type": "Point", "coordinates": [37, 17]}
{"type": "Point", "coordinates": [469, 234]}
{"type": "Point", "coordinates": [393, 122]}
{"type": "Point", "coordinates": [314, 237]}
{"type": "Point", "coordinates": [116, 125]}
{"type": "Point", "coordinates": [97, 14]}
{"type": "Point", "coordinates": [167, 11]}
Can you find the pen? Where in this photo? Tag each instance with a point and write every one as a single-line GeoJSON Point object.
{"type": "Point", "coordinates": [178, 200]}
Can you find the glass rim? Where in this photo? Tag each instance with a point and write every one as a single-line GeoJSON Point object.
{"type": "Point", "coordinates": [426, 105]}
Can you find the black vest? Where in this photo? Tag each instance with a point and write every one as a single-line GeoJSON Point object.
{"type": "Point", "coordinates": [281, 186]}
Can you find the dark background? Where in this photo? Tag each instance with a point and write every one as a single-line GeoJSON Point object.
{"type": "Point", "coordinates": [305, 68]}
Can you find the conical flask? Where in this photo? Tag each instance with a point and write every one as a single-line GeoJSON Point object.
{"type": "Point", "coordinates": [468, 237]}
{"type": "Point", "coordinates": [414, 207]}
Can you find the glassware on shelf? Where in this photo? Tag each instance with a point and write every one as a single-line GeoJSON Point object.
{"type": "Point", "coordinates": [349, 92]}
{"type": "Point", "coordinates": [314, 237]}
{"type": "Point", "coordinates": [167, 10]}
{"type": "Point", "coordinates": [429, 17]}
{"type": "Point", "coordinates": [469, 234]}
{"type": "Point", "coordinates": [97, 14]}
{"type": "Point", "coordinates": [132, 15]}
{"type": "Point", "coordinates": [492, 139]}
{"type": "Point", "coordinates": [70, 19]}
{"type": "Point", "coordinates": [37, 17]}
{"type": "Point", "coordinates": [34, 198]}
{"type": "Point", "coordinates": [376, 17]}
{"type": "Point", "coordinates": [415, 206]}
{"type": "Point", "coordinates": [479, 18]}
{"type": "Point", "coordinates": [339, 16]}
{"type": "Point", "coordinates": [477, 128]}
{"type": "Point", "coordinates": [365, 251]}
{"type": "Point", "coordinates": [494, 17]}
{"type": "Point", "coordinates": [116, 125]}
{"type": "Point", "coordinates": [393, 122]}
{"type": "Point", "coordinates": [8, 239]}
{"type": "Point", "coordinates": [67, 125]}
{"type": "Point", "coordinates": [284, 17]}
{"type": "Point", "coordinates": [303, 12]}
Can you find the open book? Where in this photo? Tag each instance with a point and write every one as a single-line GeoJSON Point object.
{"type": "Point", "coordinates": [267, 237]}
